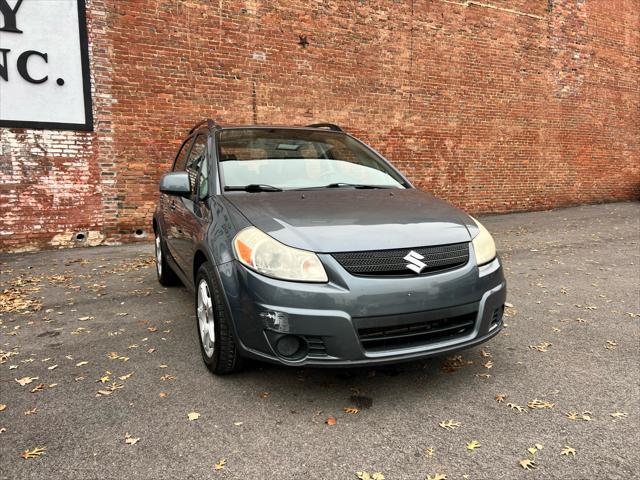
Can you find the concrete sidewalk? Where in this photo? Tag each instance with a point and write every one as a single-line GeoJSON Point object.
{"type": "Point", "coordinates": [112, 353]}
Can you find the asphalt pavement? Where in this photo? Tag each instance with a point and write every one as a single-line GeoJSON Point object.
{"type": "Point", "coordinates": [113, 386]}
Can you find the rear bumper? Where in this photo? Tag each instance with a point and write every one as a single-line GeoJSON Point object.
{"type": "Point", "coordinates": [353, 321]}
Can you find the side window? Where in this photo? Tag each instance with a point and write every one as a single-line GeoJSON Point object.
{"type": "Point", "coordinates": [181, 158]}
{"type": "Point", "coordinates": [196, 157]}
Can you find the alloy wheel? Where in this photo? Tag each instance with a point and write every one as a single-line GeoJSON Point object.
{"type": "Point", "coordinates": [206, 320]}
{"type": "Point", "coordinates": [158, 255]}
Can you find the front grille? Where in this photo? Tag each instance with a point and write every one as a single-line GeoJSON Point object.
{"type": "Point", "coordinates": [392, 262]}
{"type": "Point", "coordinates": [417, 333]}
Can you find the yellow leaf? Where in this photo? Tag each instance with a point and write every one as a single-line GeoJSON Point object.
{"type": "Point", "coordinates": [125, 377]}
{"type": "Point", "coordinates": [489, 364]}
{"type": "Point", "coordinates": [449, 424]}
{"type": "Point", "coordinates": [351, 410]}
{"type": "Point", "coordinates": [131, 440]}
{"type": "Point", "coordinates": [618, 414]}
{"type": "Point", "coordinates": [542, 347]}
{"type": "Point", "coordinates": [377, 476]}
{"type": "Point", "coordinates": [527, 464]}
{"type": "Point", "coordinates": [193, 415]}
{"type": "Point", "coordinates": [363, 476]}
{"type": "Point", "coordinates": [532, 450]}
{"type": "Point", "coordinates": [515, 407]}
{"type": "Point", "coordinates": [80, 364]}
{"type": "Point", "coordinates": [567, 450]}
{"type": "Point", "coordinates": [2, 407]}
{"type": "Point", "coordinates": [437, 476]}
{"type": "Point", "coordinates": [34, 453]}
{"type": "Point", "coordinates": [539, 404]}
{"type": "Point", "coordinates": [38, 388]}
{"type": "Point", "coordinates": [429, 451]}
{"type": "Point", "coordinates": [473, 444]}
{"type": "Point", "coordinates": [26, 380]}
{"type": "Point", "coordinates": [220, 465]}
{"type": "Point", "coordinates": [33, 411]}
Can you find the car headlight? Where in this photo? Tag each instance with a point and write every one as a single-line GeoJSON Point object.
{"type": "Point", "coordinates": [483, 245]}
{"type": "Point", "coordinates": [258, 251]}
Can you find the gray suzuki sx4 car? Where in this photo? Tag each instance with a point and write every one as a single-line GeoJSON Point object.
{"type": "Point", "coordinates": [306, 247]}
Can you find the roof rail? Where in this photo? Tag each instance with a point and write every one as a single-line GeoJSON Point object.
{"type": "Point", "coordinates": [210, 123]}
{"type": "Point", "coordinates": [330, 126]}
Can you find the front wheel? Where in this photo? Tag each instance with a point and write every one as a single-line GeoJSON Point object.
{"type": "Point", "coordinates": [215, 332]}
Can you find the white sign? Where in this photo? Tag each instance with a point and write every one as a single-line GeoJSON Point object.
{"type": "Point", "coordinates": [44, 65]}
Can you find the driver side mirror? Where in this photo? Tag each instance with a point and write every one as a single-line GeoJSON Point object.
{"type": "Point", "coordinates": [176, 183]}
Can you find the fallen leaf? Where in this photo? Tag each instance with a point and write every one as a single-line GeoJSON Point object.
{"type": "Point", "coordinates": [167, 377]}
{"type": "Point", "coordinates": [437, 476]}
{"type": "Point", "coordinates": [515, 407]}
{"type": "Point", "coordinates": [501, 397]}
{"type": "Point", "coordinates": [351, 410]}
{"type": "Point", "coordinates": [377, 476]}
{"type": "Point", "coordinates": [527, 464]}
{"type": "Point", "coordinates": [33, 411]}
{"type": "Point", "coordinates": [567, 450]}
{"type": "Point", "coordinates": [162, 394]}
{"type": "Point", "coordinates": [237, 424]}
{"type": "Point", "coordinates": [532, 450]}
{"type": "Point", "coordinates": [79, 364]}
{"type": "Point", "coordinates": [131, 440]}
{"type": "Point", "coordinates": [125, 377]}
{"type": "Point", "coordinates": [264, 394]}
{"type": "Point", "coordinates": [220, 465]}
{"type": "Point", "coordinates": [489, 364]}
{"type": "Point", "coordinates": [34, 453]}
{"type": "Point", "coordinates": [2, 407]}
{"type": "Point", "coordinates": [584, 416]}
{"type": "Point", "coordinates": [539, 404]}
{"type": "Point", "coordinates": [52, 367]}
{"type": "Point", "coordinates": [26, 380]}
{"type": "Point", "coordinates": [485, 354]}
{"type": "Point", "coordinates": [429, 451]}
{"type": "Point", "coordinates": [449, 424]}
{"type": "Point", "coordinates": [542, 347]}
{"type": "Point", "coordinates": [473, 444]}
{"type": "Point", "coordinates": [193, 415]}
{"type": "Point", "coordinates": [614, 414]}
{"type": "Point", "coordinates": [38, 388]}
{"type": "Point", "coordinates": [610, 345]}
{"type": "Point", "coordinates": [331, 421]}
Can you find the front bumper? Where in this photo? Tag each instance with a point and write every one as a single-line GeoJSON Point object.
{"type": "Point", "coordinates": [354, 320]}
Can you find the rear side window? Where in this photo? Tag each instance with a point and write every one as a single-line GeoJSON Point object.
{"type": "Point", "coordinates": [181, 158]}
{"type": "Point", "coordinates": [196, 157]}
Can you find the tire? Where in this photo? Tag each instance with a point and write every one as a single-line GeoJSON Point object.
{"type": "Point", "coordinates": [212, 319]}
{"type": "Point", "coordinates": [166, 276]}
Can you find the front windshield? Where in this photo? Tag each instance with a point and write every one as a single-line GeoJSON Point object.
{"type": "Point", "coordinates": [291, 159]}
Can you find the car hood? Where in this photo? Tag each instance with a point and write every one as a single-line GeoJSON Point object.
{"type": "Point", "coordinates": [332, 220]}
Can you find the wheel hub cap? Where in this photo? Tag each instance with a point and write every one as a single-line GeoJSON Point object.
{"type": "Point", "coordinates": [206, 325]}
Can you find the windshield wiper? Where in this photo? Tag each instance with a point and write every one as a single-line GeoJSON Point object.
{"type": "Point", "coordinates": [252, 187]}
{"type": "Point", "coordinates": [347, 185]}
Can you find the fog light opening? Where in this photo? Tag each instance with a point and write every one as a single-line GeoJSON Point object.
{"type": "Point", "coordinates": [291, 346]}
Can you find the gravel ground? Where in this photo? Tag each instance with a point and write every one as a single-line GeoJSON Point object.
{"type": "Point", "coordinates": [573, 278]}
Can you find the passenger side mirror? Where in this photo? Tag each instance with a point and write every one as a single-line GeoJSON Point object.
{"type": "Point", "coordinates": [176, 183]}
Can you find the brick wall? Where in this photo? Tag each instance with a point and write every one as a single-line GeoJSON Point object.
{"type": "Point", "coordinates": [496, 105]}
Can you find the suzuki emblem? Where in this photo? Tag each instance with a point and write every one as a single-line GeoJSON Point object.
{"type": "Point", "coordinates": [415, 263]}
